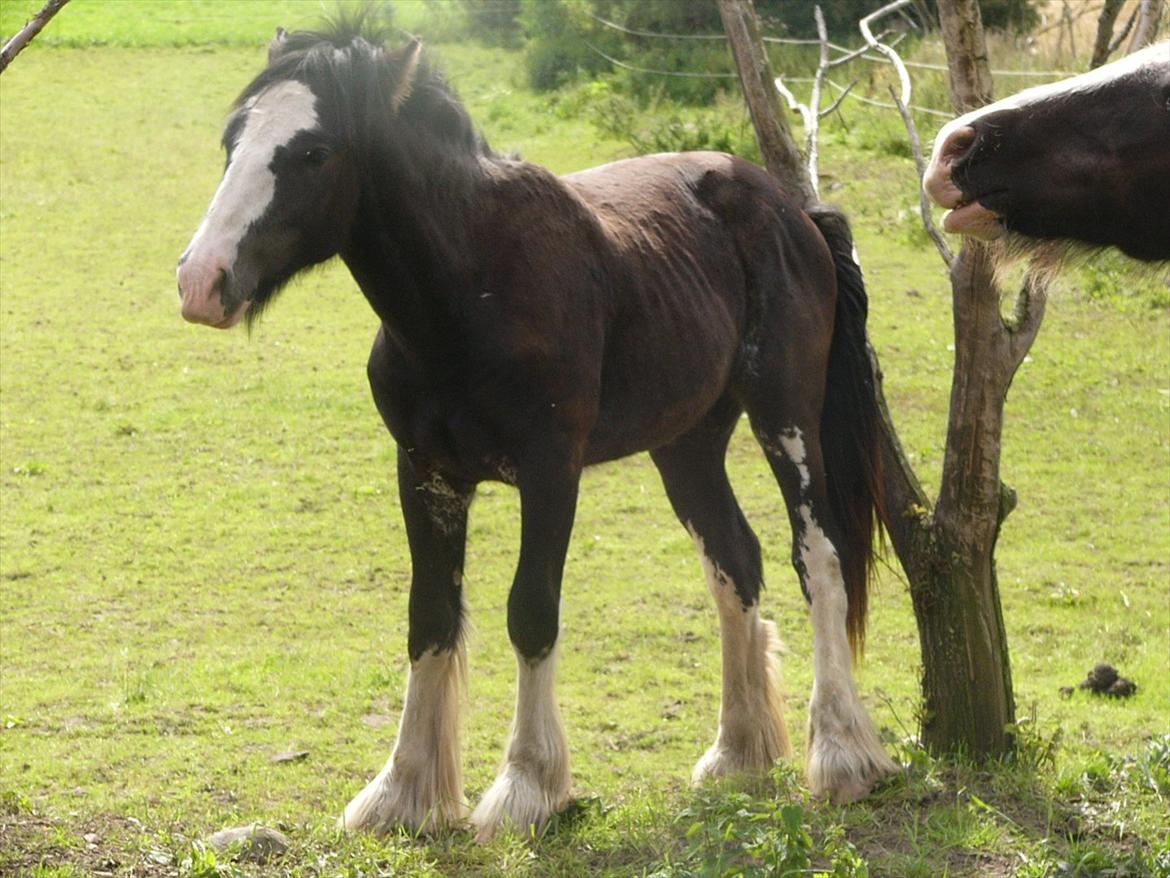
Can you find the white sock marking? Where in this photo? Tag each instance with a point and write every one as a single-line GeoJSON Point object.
{"type": "Point", "coordinates": [421, 785]}
{"type": "Point", "coordinates": [752, 734]}
{"type": "Point", "coordinates": [533, 782]}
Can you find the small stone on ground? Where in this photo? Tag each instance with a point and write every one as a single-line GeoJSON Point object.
{"type": "Point", "coordinates": [257, 844]}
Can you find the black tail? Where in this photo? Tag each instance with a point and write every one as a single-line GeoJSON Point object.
{"type": "Point", "coordinates": [849, 425]}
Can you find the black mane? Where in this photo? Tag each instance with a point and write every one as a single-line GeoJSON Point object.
{"type": "Point", "coordinates": [349, 65]}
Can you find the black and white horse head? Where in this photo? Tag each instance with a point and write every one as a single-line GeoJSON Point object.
{"type": "Point", "coordinates": [290, 191]}
{"type": "Point", "coordinates": [1086, 159]}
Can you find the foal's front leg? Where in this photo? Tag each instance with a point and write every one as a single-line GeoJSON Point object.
{"type": "Point", "coordinates": [533, 782]}
{"type": "Point", "coordinates": [421, 786]}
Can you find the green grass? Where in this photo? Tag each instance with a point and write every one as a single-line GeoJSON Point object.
{"type": "Point", "coordinates": [202, 562]}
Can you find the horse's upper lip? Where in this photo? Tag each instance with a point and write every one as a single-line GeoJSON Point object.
{"type": "Point", "coordinates": [992, 200]}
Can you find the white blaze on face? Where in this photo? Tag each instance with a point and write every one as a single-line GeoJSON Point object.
{"type": "Point", "coordinates": [272, 118]}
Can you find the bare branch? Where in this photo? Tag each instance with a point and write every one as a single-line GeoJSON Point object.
{"type": "Point", "coordinates": [940, 243]}
{"type": "Point", "coordinates": [810, 112]}
{"type": "Point", "coordinates": [1150, 12]}
{"type": "Point", "coordinates": [832, 108]}
{"type": "Point", "coordinates": [1031, 302]}
{"type": "Point", "coordinates": [902, 102]}
{"type": "Point", "coordinates": [1120, 38]}
{"type": "Point", "coordinates": [1105, 21]}
{"type": "Point", "coordinates": [864, 24]}
{"type": "Point", "coordinates": [812, 135]}
{"type": "Point", "coordinates": [856, 53]}
{"type": "Point", "coordinates": [33, 27]}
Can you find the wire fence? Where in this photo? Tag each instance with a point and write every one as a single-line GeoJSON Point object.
{"type": "Point", "coordinates": [1047, 75]}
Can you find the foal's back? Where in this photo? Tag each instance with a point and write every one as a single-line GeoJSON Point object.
{"type": "Point", "coordinates": [700, 248]}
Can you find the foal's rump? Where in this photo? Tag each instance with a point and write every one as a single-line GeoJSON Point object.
{"type": "Point", "coordinates": [708, 264]}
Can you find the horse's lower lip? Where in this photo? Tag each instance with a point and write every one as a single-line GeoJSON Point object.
{"type": "Point", "coordinates": [971, 218]}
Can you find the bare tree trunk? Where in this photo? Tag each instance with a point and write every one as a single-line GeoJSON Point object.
{"type": "Point", "coordinates": [967, 683]}
{"type": "Point", "coordinates": [33, 27]}
{"type": "Point", "coordinates": [962, 30]}
{"type": "Point", "coordinates": [1149, 15]}
{"type": "Point", "coordinates": [1105, 23]}
{"type": "Point", "coordinates": [781, 155]}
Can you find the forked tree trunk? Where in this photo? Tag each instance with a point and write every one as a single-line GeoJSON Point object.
{"type": "Point", "coordinates": [948, 549]}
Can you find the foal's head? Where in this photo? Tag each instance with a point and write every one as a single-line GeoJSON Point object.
{"type": "Point", "coordinates": [291, 188]}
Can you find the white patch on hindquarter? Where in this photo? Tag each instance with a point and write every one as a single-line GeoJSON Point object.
{"type": "Point", "coordinates": [421, 786]}
{"type": "Point", "coordinates": [792, 446]}
{"type": "Point", "coordinates": [271, 119]}
{"type": "Point", "coordinates": [1151, 56]}
{"type": "Point", "coordinates": [752, 734]}
{"type": "Point", "coordinates": [533, 782]}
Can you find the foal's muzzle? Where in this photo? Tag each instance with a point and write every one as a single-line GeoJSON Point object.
{"type": "Point", "coordinates": [203, 288]}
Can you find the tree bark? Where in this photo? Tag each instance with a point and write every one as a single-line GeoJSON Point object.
{"type": "Point", "coordinates": [33, 27]}
{"type": "Point", "coordinates": [1149, 15]}
{"type": "Point", "coordinates": [962, 30]}
{"type": "Point", "coordinates": [781, 155]}
{"type": "Point", "coordinates": [1105, 23]}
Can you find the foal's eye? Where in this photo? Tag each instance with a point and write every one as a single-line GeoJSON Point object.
{"type": "Point", "coordinates": [316, 156]}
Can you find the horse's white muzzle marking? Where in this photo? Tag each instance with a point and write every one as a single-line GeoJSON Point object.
{"type": "Point", "coordinates": [963, 218]}
{"type": "Point", "coordinates": [272, 118]}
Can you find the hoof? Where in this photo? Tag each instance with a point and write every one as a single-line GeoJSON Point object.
{"type": "Point", "coordinates": [722, 761]}
{"type": "Point", "coordinates": [388, 804]}
{"type": "Point", "coordinates": [844, 770]}
{"type": "Point", "coordinates": [519, 800]}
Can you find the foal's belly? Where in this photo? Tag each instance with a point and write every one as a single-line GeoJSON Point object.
{"type": "Point", "coordinates": [662, 380]}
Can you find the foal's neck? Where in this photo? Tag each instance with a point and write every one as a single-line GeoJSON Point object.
{"type": "Point", "coordinates": [412, 247]}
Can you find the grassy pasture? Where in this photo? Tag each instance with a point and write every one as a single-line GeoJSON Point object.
{"type": "Point", "coordinates": [202, 565]}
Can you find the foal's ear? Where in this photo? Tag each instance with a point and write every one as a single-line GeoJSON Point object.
{"type": "Point", "coordinates": [406, 61]}
{"type": "Point", "coordinates": [278, 45]}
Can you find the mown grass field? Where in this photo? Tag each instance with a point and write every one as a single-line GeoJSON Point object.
{"type": "Point", "coordinates": [202, 564]}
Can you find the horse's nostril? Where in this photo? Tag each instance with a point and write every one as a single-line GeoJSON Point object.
{"type": "Point", "coordinates": [960, 143]}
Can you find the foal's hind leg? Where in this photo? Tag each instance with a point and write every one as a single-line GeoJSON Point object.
{"type": "Point", "coordinates": [421, 786]}
{"type": "Point", "coordinates": [751, 735]}
{"type": "Point", "coordinates": [845, 757]}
